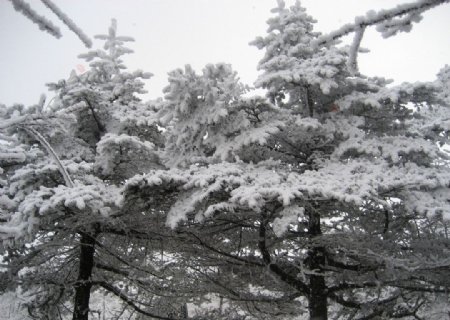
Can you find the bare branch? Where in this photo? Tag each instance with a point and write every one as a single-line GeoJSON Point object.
{"type": "Point", "coordinates": [128, 300]}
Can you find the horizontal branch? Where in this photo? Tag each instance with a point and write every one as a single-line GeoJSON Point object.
{"type": "Point", "coordinates": [376, 18]}
{"type": "Point", "coordinates": [225, 254]}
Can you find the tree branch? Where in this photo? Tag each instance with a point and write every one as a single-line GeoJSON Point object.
{"type": "Point", "coordinates": [52, 153]}
{"type": "Point", "coordinates": [128, 301]}
{"type": "Point", "coordinates": [373, 19]}
{"type": "Point", "coordinates": [275, 268]}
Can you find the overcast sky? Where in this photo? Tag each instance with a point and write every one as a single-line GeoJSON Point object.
{"type": "Point", "coordinates": [172, 33]}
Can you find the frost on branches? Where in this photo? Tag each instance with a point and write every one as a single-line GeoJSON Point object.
{"type": "Point", "coordinates": [63, 164]}
{"type": "Point", "coordinates": [328, 198]}
{"type": "Point", "coordinates": [344, 206]}
{"type": "Point", "coordinates": [207, 116]}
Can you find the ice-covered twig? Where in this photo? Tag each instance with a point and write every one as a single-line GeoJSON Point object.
{"type": "Point", "coordinates": [44, 24]}
{"type": "Point", "coordinates": [68, 22]}
{"type": "Point", "coordinates": [352, 62]}
{"type": "Point", "coordinates": [410, 10]}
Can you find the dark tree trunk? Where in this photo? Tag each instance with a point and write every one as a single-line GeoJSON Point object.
{"type": "Point", "coordinates": [83, 286]}
{"type": "Point", "coordinates": [318, 294]}
{"type": "Point", "coordinates": [310, 101]}
{"type": "Point", "coordinates": [316, 258]}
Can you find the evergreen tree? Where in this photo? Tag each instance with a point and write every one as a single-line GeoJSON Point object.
{"type": "Point", "coordinates": [207, 116]}
{"type": "Point", "coordinates": [343, 206]}
{"type": "Point", "coordinates": [61, 210]}
{"type": "Point", "coordinates": [328, 199]}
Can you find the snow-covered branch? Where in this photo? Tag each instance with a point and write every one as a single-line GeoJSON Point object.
{"type": "Point", "coordinates": [386, 20]}
{"type": "Point", "coordinates": [68, 22]}
{"type": "Point", "coordinates": [46, 25]}
{"type": "Point", "coordinates": [352, 62]}
{"type": "Point", "coordinates": [43, 23]}
{"type": "Point", "coordinates": [52, 153]}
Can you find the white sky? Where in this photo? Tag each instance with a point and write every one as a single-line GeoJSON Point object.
{"type": "Point", "coordinates": [172, 33]}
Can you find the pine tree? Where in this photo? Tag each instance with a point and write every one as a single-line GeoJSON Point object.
{"type": "Point", "coordinates": [61, 211]}
{"type": "Point", "coordinates": [328, 199]}
{"type": "Point", "coordinates": [207, 116]}
{"type": "Point", "coordinates": [343, 206]}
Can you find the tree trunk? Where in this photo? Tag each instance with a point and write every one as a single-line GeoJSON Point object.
{"type": "Point", "coordinates": [318, 296]}
{"type": "Point", "coordinates": [316, 258]}
{"type": "Point", "coordinates": [310, 101]}
{"type": "Point", "coordinates": [83, 286]}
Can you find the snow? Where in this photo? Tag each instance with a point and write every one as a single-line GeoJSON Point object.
{"type": "Point", "coordinates": [95, 201]}
{"type": "Point", "coordinates": [12, 155]}
{"type": "Point", "coordinates": [380, 148]}
{"type": "Point", "coordinates": [289, 215]}
{"type": "Point", "coordinates": [321, 69]}
{"type": "Point", "coordinates": [111, 145]}
{"type": "Point", "coordinates": [14, 120]}
{"type": "Point", "coordinates": [395, 149]}
{"type": "Point", "coordinates": [205, 112]}
{"type": "Point", "coordinates": [435, 203]}
{"type": "Point", "coordinates": [353, 51]}
{"type": "Point", "coordinates": [12, 306]}
{"type": "Point", "coordinates": [252, 187]}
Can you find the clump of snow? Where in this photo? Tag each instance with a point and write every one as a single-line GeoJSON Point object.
{"type": "Point", "coordinates": [289, 215]}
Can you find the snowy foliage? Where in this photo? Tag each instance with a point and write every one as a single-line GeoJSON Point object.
{"type": "Point", "coordinates": [328, 197]}
{"type": "Point", "coordinates": [290, 58]}
{"type": "Point", "coordinates": [206, 116]}
{"type": "Point", "coordinates": [347, 186]}
{"type": "Point", "coordinates": [62, 170]}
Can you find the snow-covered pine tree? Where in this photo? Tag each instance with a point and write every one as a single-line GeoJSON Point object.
{"type": "Point", "coordinates": [295, 70]}
{"type": "Point", "coordinates": [62, 225]}
{"type": "Point", "coordinates": [207, 116]}
{"type": "Point", "coordinates": [344, 206]}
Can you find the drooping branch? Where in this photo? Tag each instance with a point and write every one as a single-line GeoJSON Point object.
{"type": "Point", "coordinates": [68, 22]}
{"type": "Point", "coordinates": [52, 153]}
{"type": "Point", "coordinates": [43, 23]}
{"type": "Point", "coordinates": [46, 25]}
